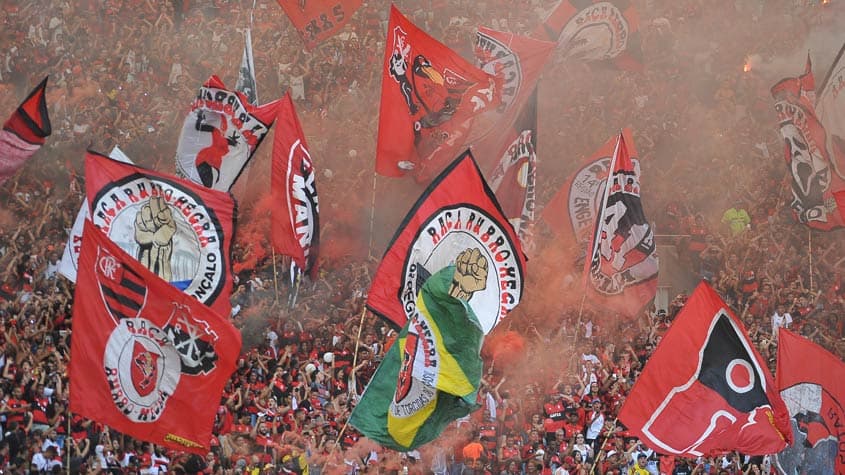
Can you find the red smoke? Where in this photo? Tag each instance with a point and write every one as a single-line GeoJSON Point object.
{"type": "Point", "coordinates": [503, 348]}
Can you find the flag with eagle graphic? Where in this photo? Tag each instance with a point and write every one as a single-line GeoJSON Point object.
{"type": "Point", "coordinates": [429, 96]}
{"type": "Point", "coordinates": [146, 359]}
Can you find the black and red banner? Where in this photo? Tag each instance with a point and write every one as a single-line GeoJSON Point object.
{"type": "Point", "coordinates": [296, 216]}
{"type": "Point", "coordinates": [811, 381]}
{"type": "Point", "coordinates": [24, 132]}
{"type": "Point", "coordinates": [622, 263]}
{"type": "Point", "coordinates": [573, 210]}
{"type": "Point", "coordinates": [705, 389]}
{"type": "Point", "coordinates": [596, 30]}
{"type": "Point", "coordinates": [179, 230]}
{"type": "Point", "coordinates": [457, 212]}
{"type": "Point", "coordinates": [146, 359]}
{"type": "Point", "coordinates": [429, 96]}
{"type": "Point", "coordinates": [810, 154]}
{"type": "Point", "coordinates": [317, 20]}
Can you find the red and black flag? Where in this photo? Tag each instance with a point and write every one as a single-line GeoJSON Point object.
{"type": "Point", "coordinates": [517, 62]}
{"type": "Point", "coordinates": [705, 389]}
{"type": "Point", "coordinates": [296, 216]}
{"type": "Point", "coordinates": [155, 371]}
{"type": "Point", "coordinates": [596, 30]}
{"type": "Point", "coordinates": [622, 260]}
{"type": "Point", "coordinates": [317, 20]}
{"type": "Point", "coordinates": [811, 381]}
{"type": "Point", "coordinates": [809, 153]}
{"type": "Point", "coordinates": [24, 133]}
{"type": "Point", "coordinates": [220, 134]}
{"type": "Point", "coordinates": [457, 212]}
{"type": "Point", "coordinates": [429, 96]}
{"type": "Point", "coordinates": [573, 209]}
{"type": "Point", "coordinates": [179, 230]}
{"type": "Point", "coordinates": [515, 177]}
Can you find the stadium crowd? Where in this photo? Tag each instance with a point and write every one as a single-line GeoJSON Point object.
{"type": "Point", "coordinates": [122, 73]}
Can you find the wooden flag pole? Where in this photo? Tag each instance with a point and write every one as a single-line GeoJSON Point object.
{"type": "Point", "coordinates": [275, 278]}
{"type": "Point", "coordinates": [810, 253]}
{"type": "Point", "coordinates": [372, 218]}
{"type": "Point", "coordinates": [357, 344]}
{"type": "Point", "coordinates": [601, 449]}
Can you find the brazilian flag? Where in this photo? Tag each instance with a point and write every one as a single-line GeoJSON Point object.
{"type": "Point", "coordinates": [429, 377]}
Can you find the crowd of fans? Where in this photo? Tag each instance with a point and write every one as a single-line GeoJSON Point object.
{"type": "Point", "coordinates": [122, 72]}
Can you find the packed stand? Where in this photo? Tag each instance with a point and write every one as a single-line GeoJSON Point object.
{"type": "Point", "coordinates": [552, 409]}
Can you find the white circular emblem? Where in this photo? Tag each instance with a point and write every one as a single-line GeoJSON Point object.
{"type": "Point", "coordinates": [729, 376]}
{"type": "Point", "coordinates": [596, 33]}
{"type": "Point", "coordinates": [142, 369]}
{"type": "Point", "coordinates": [443, 236]}
{"type": "Point", "coordinates": [189, 255]}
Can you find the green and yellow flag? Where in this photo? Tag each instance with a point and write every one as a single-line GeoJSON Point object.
{"type": "Point", "coordinates": [430, 376]}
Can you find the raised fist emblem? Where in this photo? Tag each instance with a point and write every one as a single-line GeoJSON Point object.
{"type": "Point", "coordinates": [470, 274]}
{"type": "Point", "coordinates": [154, 230]}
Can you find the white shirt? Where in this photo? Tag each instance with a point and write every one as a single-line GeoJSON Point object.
{"type": "Point", "coordinates": [779, 320]}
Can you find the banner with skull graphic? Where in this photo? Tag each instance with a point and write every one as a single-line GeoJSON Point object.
{"type": "Point", "coordinates": [622, 263]}
{"type": "Point", "coordinates": [809, 153]}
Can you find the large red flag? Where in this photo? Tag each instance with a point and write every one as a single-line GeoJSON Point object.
{"type": "Point", "coordinates": [317, 20]}
{"type": "Point", "coordinates": [706, 389]}
{"type": "Point", "coordinates": [812, 383]}
{"type": "Point", "coordinates": [457, 211]}
{"type": "Point", "coordinates": [146, 359]}
{"type": "Point", "coordinates": [596, 30]}
{"type": "Point", "coordinates": [517, 62]}
{"type": "Point", "coordinates": [622, 260]}
{"type": "Point", "coordinates": [429, 95]}
{"type": "Point", "coordinates": [296, 216]}
{"type": "Point", "coordinates": [809, 153]}
{"type": "Point", "coordinates": [573, 209]}
{"type": "Point", "coordinates": [220, 134]}
{"type": "Point", "coordinates": [24, 133]}
{"type": "Point", "coordinates": [180, 230]}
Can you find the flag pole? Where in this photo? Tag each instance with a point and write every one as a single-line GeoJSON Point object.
{"type": "Point", "coordinates": [357, 344]}
{"type": "Point", "coordinates": [68, 439]}
{"type": "Point", "coordinates": [594, 242]}
{"type": "Point", "coordinates": [275, 278]}
{"type": "Point", "coordinates": [372, 218]}
{"type": "Point", "coordinates": [601, 449]}
{"type": "Point", "coordinates": [810, 253]}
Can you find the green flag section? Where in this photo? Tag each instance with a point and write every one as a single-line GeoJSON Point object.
{"type": "Point", "coordinates": [430, 376]}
